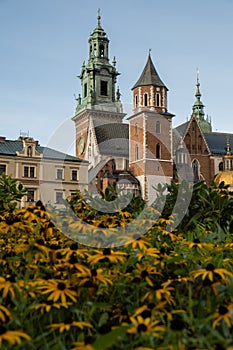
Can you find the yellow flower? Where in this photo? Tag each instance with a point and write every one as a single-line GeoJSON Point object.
{"type": "Point", "coordinates": [107, 254]}
{"type": "Point", "coordinates": [4, 314]}
{"type": "Point", "coordinates": [59, 289]}
{"type": "Point", "coordinates": [67, 325]}
{"type": "Point", "coordinates": [12, 336]}
{"type": "Point", "coordinates": [146, 271]}
{"type": "Point", "coordinates": [210, 272]}
{"type": "Point", "coordinates": [96, 276]}
{"type": "Point", "coordinates": [82, 346]}
{"type": "Point", "coordinates": [141, 325]}
{"type": "Point", "coordinates": [223, 314]}
{"type": "Point", "coordinates": [7, 286]}
{"type": "Point", "coordinates": [47, 305]}
{"type": "Point", "coordinates": [160, 292]}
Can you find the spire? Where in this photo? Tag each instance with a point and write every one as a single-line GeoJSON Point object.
{"type": "Point", "coordinates": [149, 75]}
{"type": "Point", "coordinates": [99, 17]}
{"type": "Point", "coordinates": [198, 109]}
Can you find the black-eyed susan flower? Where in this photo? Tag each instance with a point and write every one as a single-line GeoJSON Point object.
{"type": "Point", "coordinates": [5, 314]}
{"type": "Point", "coordinates": [82, 346]}
{"type": "Point", "coordinates": [160, 292]}
{"type": "Point", "coordinates": [143, 326]}
{"type": "Point", "coordinates": [95, 275]}
{"type": "Point", "coordinates": [146, 271]}
{"type": "Point", "coordinates": [68, 324]}
{"type": "Point", "coordinates": [59, 290]}
{"type": "Point", "coordinates": [7, 286]}
{"type": "Point", "coordinates": [211, 271]}
{"type": "Point", "coordinates": [105, 255]}
{"type": "Point", "coordinates": [12, 336]}
{"type": "Point", "coordinates": [223, 314]}
{"type": "Point", "coordinates": [47, 305]}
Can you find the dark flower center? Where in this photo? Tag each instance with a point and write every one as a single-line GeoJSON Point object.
{"type": "Point", "coordinates": [93, 272]}
{"type": "Point", "coordinates": [177, 324]}
{"type": "Point", "coordinates": [88, 284]}
{"type": "Point", "coordinates": [58, 255]}
{"type": "Point", "coordinates": [210, 267]}
{"type": "Point", "coordinates": [74, 246]}
{"type": "Point", "coordinates": [2, 329]}
{"type": "Point", "coordinates": [68, 321]}
{"type": "Point", "coordinates": [73, 259]}
{"type": "Point", "coordinates": [144, 273]}
{"type": "Point", "coordinates": [151, 305]}
{"type": "Point", "coordinates": [40, 241]}
{"type": "Point", "coordinates": [222, 310]}
{"type": "Point", "coordinates": [141, 327]}
{"type": "Point", "coordinates": [107, 251]}
{"type": "Point", "coordinates": [49, 302]}
{"type": "Point", "coordinates": [136, 280]}
{"type": "Point", "coordinates": [146, 314]}
{"type": "Point", "coordinates": [196, 240]}
{"type": "Point", "coordinates": [61, 286]}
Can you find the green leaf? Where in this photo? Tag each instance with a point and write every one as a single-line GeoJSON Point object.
{"type": "Point", "coordinates": [105, 341]}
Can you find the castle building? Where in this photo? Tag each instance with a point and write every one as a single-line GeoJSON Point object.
{"type": "Point", "coordinates": [143, 151]}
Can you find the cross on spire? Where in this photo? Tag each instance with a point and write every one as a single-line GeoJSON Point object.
{"type": "Point", "coordinates": [98, 17]}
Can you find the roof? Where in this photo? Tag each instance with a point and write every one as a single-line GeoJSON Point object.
{"type": "Point", "coordinates": [182, 128]}
{"type": "Point", "coordinates": [217, 141]}
{"type": "Point", "coordinates": [149, 76]}
{"type": "Point", "coordinates": [113, 139]}
{"type": "Point", "coordinates": [11, 147]}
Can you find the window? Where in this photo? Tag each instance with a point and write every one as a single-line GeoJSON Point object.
{"type": "Point", "coordinates": [74, 175]}
{"type": "Point", "coordinates": [2, 169]}
{"type": "Point", "coordinates": [29, 171]}
{"type": "Point", "coordinates": [85, 90]}
{"type": "Point", "coordinates": [145, 100]}
{"type": "Point", "coordinates": [157, 100]}
{"type": "Point", "coordinates": [220, 166]}
{"type": "Point", "coordinates": [59, 174]}
{"type": "Point", "coordinates": [136, 101]}
{"type": "Point", "coordinates": [103, 88]}
{"type": "Point", "coordinates": [196, 170]}
{"type": "Point", "coordinates": [31, 195]}
{"type": "Point", "coordinates": [101, 50]}
{"type": "Point", "coordinates": [158, 127]}
{"type": "Point", "coordinates": [136, 152]}
{"type": "Point", "coordinates": [59, 197]}
{"type": "Point", "coordinates": [158, 151]}
{"type": "Point", "coordinates": [29, 151]}
{"type": "Point", "coordinates": [136, 129]}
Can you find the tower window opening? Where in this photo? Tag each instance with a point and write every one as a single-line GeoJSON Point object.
{"type": "Point", "coordinates": [85, 90]}
{"type": "Point", "coordinates": [157, 100]}
{"type": "Point", "coordinates": [158, 127]}
{"type": "Point", "coordinates": [136, 100]}
{"type": "Point", "coordinates": [136, 152]}
{"type": "Point", "coordinates": [29, 151]}
{"type": "Point", "coordinates": [158, 151]}
{"type": "Point", "coordinates": [103, 88]}
{"type": "Point", "coordinates": [145, 100]}
{"type": "Point", "coordinates": [136, 129]}
{"type": "Point", "coordinates": [101, 48]}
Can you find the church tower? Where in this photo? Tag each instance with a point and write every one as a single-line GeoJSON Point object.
{"type": "Point", "coordinates": [150, 132]}
{"type": "Point", "coordinates": [99, 102]}
{"type": "Point", "coordinates": [198, 110]}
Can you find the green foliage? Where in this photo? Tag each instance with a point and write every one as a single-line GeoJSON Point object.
{"type": "Point", "coordinates": [11, 192]}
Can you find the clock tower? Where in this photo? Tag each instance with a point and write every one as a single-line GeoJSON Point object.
{"type": "Point", "coordinates": [99, 101]}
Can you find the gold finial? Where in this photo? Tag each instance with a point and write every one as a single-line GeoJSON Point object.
{"type": "Point", "coordinates": [98, 17]}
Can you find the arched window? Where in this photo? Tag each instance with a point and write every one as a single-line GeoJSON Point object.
{"type": "Point", "coordinates": [157, 100]}
{"type": "Point", "coordinates": [158, 151]}
{"type": "Point", "coordinates": [136, 152]}
{"type": "Point", "coordinates": [220, 166]}
{"type": "Point", "coordinates": [136, 100]}
{"type": "Point", "coordinates": [145, 100]}
{"type": "Point", "coordinates": [29, 151]}
{"type": "Point", "coordinates": [196, 170]}
{"type": "Point", "coordinates": [136, 129]}
{"type": "Point", "coordinates": [101, 48]}
{"type": "Point", "coordinates": [158, 127]}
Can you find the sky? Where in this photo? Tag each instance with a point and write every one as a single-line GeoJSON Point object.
{"type": "Point", "coordinates": [43, 44]}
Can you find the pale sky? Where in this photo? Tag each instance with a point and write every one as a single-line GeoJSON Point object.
{"type": "Point", "coordinates": [43, 44]}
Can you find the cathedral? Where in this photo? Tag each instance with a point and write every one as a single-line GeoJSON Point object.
{"type": "Point", "coordinates": [142, 150]}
